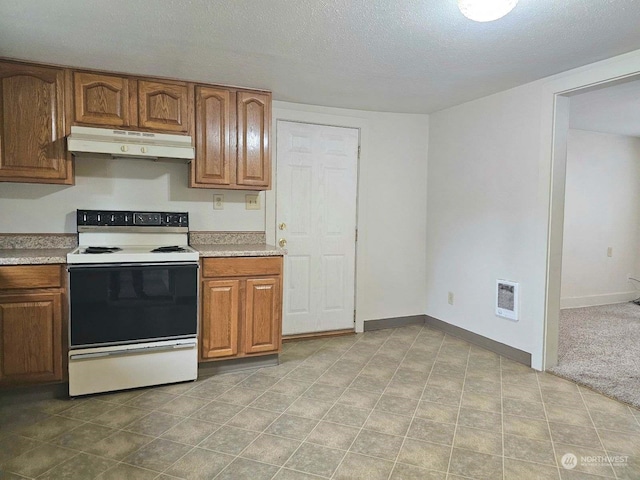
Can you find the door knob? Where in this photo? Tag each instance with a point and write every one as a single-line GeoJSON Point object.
{"type": "Point", "coordinates": [282, 226]}
{"type": "Point", "coordinates": [282, 242]}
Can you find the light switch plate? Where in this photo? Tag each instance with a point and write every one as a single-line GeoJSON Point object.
{"type": "Point", "coordinates": [218, 201]}
{"type": "Point", "coordinates": [252, 202]}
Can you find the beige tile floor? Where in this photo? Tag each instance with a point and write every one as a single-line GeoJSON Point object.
{"type": "Point", "coordinates": [406, 403]}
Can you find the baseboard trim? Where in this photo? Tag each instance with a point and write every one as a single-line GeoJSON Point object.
{"type": "Point", "coordinates": [596, 300]}
{"type": "Point", "coordinates": [484, 342]}
{"type": "Point", "coordinates": [315, 335]}
{"type": "Point", "coordinates": [394, 322]}
{"type": "Point", "coordinates": [237, 364]}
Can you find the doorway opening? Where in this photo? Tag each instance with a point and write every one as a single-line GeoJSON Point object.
{"type": "Point", "coordinates": [593, 326]}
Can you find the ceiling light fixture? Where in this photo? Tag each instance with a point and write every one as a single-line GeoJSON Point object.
{"type": "Point", "coordinates": [486, 10]}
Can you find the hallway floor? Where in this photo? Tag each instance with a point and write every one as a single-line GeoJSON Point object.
{"type": "Point", "coordinates": [405, 403]}
{"type": "Point", "coordinates": [600, 347]}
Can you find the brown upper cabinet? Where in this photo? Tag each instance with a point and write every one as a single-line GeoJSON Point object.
{"type": "Point", "coordinates": [232, 129]}
{"type": "Point", "coordinates": [215, 113]}
{"type": "Point", "coordinates": [38, 104]}
{"type": "Point", "coordinates": [122, 102]}
{"type": "Point", "coordinates": [32, 125]}
{"type": "Point", "coordinates": [165, 106]}
{"type": "Point", "coordinates": [101, 99]}
{"type": "Point", "coordinates": [254, 121]}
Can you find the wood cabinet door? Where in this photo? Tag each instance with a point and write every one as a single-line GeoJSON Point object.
{"type": "Point", "coordinates": [220, 318]}
{"type": "Point", "coordinates": [101, 99]}
{"type": "Point", "coordinates": [164, 106]}
{"type": "Point", "coordinates": [212, 165]}
{"type": "Point", "coordinates": [32, 125]}
{"type": "Point", "coordinates": [30, 338]}
{"type": "Point", "coordinates": [253, 127]}
{"type": "Point", "coordinates": [262, 315]}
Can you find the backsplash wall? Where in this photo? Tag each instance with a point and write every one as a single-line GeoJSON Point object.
{"type": "Point", "coordinates": [122, 184]}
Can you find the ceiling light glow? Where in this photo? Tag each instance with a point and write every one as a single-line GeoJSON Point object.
{"type": "Point", "coordinates": [486, 10]}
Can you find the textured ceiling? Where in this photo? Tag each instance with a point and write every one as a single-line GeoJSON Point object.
{"type": "Point", "coordinates": [610, 110]}
{"type": "Point", "coordinates": [398, 56]}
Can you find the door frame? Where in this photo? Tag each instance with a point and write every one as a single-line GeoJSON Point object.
{"type": "Point", "coordinates": [558, 92]}
{"type": "Point", "coordinates": [271, 207]}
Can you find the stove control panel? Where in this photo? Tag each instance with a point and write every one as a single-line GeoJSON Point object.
{"type": "Point", "coordinates": [147, 219]}
{"type": "Point", "coordinates": [119, 218]}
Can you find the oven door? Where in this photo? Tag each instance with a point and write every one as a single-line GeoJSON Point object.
{"type": "Point", "coordinates": [125, 304]}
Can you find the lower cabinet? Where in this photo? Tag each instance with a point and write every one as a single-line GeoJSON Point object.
{"type": "Point", "coordinates": [31, 326]}
{"type": "Point", "coordinates": [262, 318]}
{"type": "Point", "coordinates": [220, 318]}
{"type": "Point", "coordinates": [241, 312]}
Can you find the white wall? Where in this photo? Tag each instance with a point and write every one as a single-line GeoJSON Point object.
{"type": "Point", "coordinates": [602, 209]}
{"type": "Point", "coordinates": [390, 265]}
{"type": "Point", "coordinates": [488, 207]}
{"type": "Point", "coordinates": [121, 184]}
{"type": "Point", "coordinates": [481, 202]}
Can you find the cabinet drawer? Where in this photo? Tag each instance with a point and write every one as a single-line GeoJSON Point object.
{"type": "Point", "coordinates": [241, 266]}
{"type": "Point", "coordinates": [30, 276]}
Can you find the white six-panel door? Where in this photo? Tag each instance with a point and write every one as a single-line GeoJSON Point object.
{"type": "Point", "coordinates": [317, 168]}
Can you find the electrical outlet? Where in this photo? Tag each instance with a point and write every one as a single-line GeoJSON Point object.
{"type": "Point", "coordinates": [218, 201]}
{"type": "Point", "coordinates": [252, 202]}
{"type": "Point", "coordinates": [450, 298]}
{"type": "Point", "coordinates": [610, 252]}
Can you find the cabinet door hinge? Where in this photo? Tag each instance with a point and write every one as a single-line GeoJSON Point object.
{"type": "Point", "coordinates": [358, 152]}
{"type": "Point", "coordinates": [356, 234]}
{"type": "Point", "coordinates": [354, 316]}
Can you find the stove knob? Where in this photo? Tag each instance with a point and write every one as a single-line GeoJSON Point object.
{"type": "Point", "coordinates": [124, 148]}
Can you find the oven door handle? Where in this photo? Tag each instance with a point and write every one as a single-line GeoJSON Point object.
{"type": "Point", "coordinates": [162, 348]}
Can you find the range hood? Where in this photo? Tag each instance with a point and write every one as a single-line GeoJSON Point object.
{"type": "Point", "coordinates": [126, 143]}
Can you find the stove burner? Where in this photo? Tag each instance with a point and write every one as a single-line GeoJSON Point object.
{"type": "Point", "coordinates": [101, 249]}
{"type": "Point", "coordinates": [172, 248]}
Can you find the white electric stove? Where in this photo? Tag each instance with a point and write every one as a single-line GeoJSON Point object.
{"type": "Point", "coordinates": [133, 288]}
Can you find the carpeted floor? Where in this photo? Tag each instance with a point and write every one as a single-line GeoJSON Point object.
{"type": "Point", "coordinates": [600, 348]}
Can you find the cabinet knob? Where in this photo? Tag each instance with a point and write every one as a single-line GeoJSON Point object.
{"type": "Point", "coordinates": [124, 148]}
{"type": "Point", "coordinates": [143, 149]}
{"type": "Point", "coordinates": [282, 226]}
{"type": "Point", "coordinates": [282, 242]}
